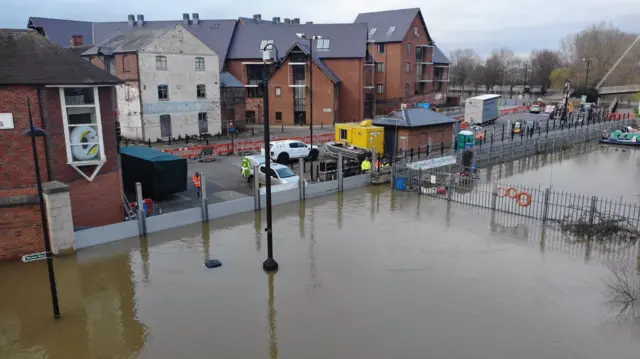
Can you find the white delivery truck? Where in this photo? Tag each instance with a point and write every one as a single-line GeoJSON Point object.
{"type": "Point", "coordinates": [481, 110]}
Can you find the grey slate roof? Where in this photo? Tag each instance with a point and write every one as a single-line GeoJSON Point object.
{"type": "Point", "coordinates": [347, 40]}
{"type": "Point", "coordinates": [127, 42]}
{"type": "Point", "coordinates": [305, 49]}
{"type": "Point", "coordinates": [439, 56]}
{"type": "Point", "coordinates": [28, 58]}
{"type": "Point", "coordinates": [228, 80]}
{"type": "Point", "coordinates": [383, 20]}
{"type": "Point", "coordinates": [216, 34]}
{"type": "Point", "coordinates": [413, 117]}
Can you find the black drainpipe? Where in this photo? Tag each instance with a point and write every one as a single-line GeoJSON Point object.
{"type": "Point", "coordinates": [45, 127]}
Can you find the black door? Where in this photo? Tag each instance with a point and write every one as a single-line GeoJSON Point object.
{"type": "Point", "coordinates": [368, 105]}
{"type": "Point", "coordinates": [389, 139]}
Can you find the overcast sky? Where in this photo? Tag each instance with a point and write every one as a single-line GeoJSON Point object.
{"type": "Point", "coordinates": [521, 25]}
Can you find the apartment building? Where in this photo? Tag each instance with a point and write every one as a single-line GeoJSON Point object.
{"type": "Point", "coordinates": [172, 83]}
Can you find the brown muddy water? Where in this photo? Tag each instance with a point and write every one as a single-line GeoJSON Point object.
{"type": "Point", "coordinates": [367, 274]}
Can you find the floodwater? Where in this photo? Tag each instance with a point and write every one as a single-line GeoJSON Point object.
{"type": "Point", "coordinates": [365, 274]}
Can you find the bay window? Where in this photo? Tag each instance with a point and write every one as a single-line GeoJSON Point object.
{"type": "Point", "coordinates": [82, 125]}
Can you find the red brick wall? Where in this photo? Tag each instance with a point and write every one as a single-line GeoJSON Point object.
{"type": "Point", "coordinates": [419, 137]}
{"type": "Point", "coordinates": [126, 65]}
{"type": "Point", "coordinates": [20, 227]}
{"type": "Point", "coordinates": [351, 88]}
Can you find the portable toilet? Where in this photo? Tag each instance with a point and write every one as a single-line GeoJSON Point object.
{"type": "Point", "coordinates": [465, 139]}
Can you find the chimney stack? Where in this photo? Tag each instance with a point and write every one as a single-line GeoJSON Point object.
{"type": "Point", "coordinates": [287, 21]}
{"type": "Point", "coordinates": [309, 22]}
{"type": "Point", "coordinates": [140, 21]}
{"type": "Point", "coordinates": [296, 21]}
{"type": "Point", "coordinates": [185, 19]}
{"type": "Point", "coordinates": [196, 18]}
{"type": "Point", "coordinates": [257, 17]}
{"type": "Point", "coordinates": [77, 40]}
{"type": "Point", "coordinates": [276, 20]}
{"type": "Point", "coordinates": [132, 20]}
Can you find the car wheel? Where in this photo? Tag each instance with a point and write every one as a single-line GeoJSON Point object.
{"type": "Point", "coordinates": [251, 181]}
{"type": "Point", "coordinates": [283, 158]}
{"type": "Point", "coordinates": [313, 154]}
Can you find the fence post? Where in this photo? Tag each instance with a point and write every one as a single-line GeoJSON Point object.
{"type": "Point", "coordinates": [142, 217]}
{"type": "Point", "coordinates": [494, 196]}
{"type": "Point", "coordinates": [592, 211]}
{"type": "Point", "coordinates": [256, 188]}
{"type": "Point", "coordinates": [545, 208]}
{"type": "Point", "coordinates": [340, 169]}
{"type": "Point", "coordinates": [204, 208]}
{"type": "Point", "coordinates": [374, 160]}
{"type": "Point", "coordinates": [450, 187]}
{"type": "Point", "coordinates": [301, 177]}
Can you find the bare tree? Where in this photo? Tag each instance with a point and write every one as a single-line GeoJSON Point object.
{"type": "Point", "coordinates": [543, 62]}
{"type": "Point", "coordinates": [514, 72]}
{"type": "Point", "coordinates": [463, 63]}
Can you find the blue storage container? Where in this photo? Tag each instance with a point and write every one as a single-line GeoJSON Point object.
{"type": "Point", "coordinates": [401, 184]}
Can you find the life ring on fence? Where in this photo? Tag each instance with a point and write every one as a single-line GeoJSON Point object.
{"type": "Point", "coordinates": [501, 191]}
{"type": "Point", "coordinates": [512, 192]}
{"type": "Point", "coordinates": [523, 202]}
{"type": "Point", "coordinates": [84, 139]}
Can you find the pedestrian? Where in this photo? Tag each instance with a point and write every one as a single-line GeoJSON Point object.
{"type": "Point", "coordinates": [366, 165]}
{"type": "Point", "coordinates": [196, 182]}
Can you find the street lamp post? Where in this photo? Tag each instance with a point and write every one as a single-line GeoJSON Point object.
{"type": "Point", "coordinates": [34, 132]}
{"type": "Point", "coordinates": [586, 76]}
{"type": "Point", "coordinates": [270, 264]}
{"type": "Point", "coordinates": [310, 38]}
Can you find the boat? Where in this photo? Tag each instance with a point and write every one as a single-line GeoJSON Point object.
{"type": "Point", "coordinates": [627, 137]}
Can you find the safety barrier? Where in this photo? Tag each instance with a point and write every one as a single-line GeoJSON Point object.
{"type": "Point", "coordinates": [241, 146]}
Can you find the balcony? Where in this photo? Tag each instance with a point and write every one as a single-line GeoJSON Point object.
{"type": "Point", "coordinates": [424, 54]}
{"type": "Point", "coordinates": [424, 73]}
{"type": "Point", "coordinates": [441, 73]}
{"type": "Point", "coordinates": [297, 74]}
{"type": "Point", "coordinates": [252, 74]}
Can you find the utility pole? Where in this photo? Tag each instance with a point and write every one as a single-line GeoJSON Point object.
{"type": "Point", "coordinates": [586, 76]}
{"type": "Point", "coordinates": [526, 72]}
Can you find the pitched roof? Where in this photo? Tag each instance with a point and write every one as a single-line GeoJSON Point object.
{"type": "Point", "coordinates": [78, 50]}
{"type": "Point", "coordinates": [413, 117]}
{"type": "Point", "coordinates": [28, 58]}
{"type": "Point", "coordinates": [346, 40]}
{"type": "Point", "coordinates": [382, 21]}
{"type": "Point", "coordinates": [439, 56]}
{"type": "Point", "coordinates": [127, 42]}
{"type": "Point", "coordinates": [321, 65]}
{"type": "Point", "coordinates": [228, 80]}
{"type": "Point", "coordinates": [216, 34]}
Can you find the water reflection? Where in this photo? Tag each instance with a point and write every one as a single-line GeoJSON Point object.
{"type": "Point", "coordinates": [144, 258]}
{"type": "Point", "coordinates": [273, 336]}
{"type": "Point", "coordinates": [258, 227]}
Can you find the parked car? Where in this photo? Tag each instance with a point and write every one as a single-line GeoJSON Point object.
{"type": "Point", "coordinates": [534, 109]}
{"type": "Point", "coordinates": [286, 150]}
{"type": "Point", "coordinates": [280, 174]}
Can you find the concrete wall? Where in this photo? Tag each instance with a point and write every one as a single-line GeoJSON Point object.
{"type": "Point", "coordinates": [180, 48]}
{"type": "Point", "coordinates": [129, 110]}
{"type": "Point", "coordinates": [59, 218]}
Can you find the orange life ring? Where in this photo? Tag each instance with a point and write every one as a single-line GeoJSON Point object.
{"type": "Point", "coordinates": [501, 191]}
{"type": "Point", "coordinates": [523, 202]}
{"type": "Point", "coordinates": [512, 192]}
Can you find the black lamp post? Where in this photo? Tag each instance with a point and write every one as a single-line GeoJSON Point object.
{"type": "Point", "coordinates": [34, 132]}
{"type": "Point", "coordinates": [586, 76]}
{"type": "Point", "coordinates": [310, 38]}
{"type": "Point", "coordinates": [270, 264]}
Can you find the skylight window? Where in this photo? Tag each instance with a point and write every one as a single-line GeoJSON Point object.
{"type": "Point", "coordinates": [265, 43]}
{"type": "Point", "coordinates": [323, 44]}
{"type": "Point", "coordinates": [391, 30]}
{"type": "Point", "coordinates": [372, 32]}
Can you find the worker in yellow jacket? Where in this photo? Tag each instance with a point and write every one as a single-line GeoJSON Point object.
{"type": "Point", "coordinates": [366, 165]}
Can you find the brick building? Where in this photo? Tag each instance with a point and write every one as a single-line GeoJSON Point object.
{"type": "Point", "coordinates": [73, 101]}
{"type": "Point", "coordinates": [338, 70]}
{"type": "Point", "coordinates": [408, 66]}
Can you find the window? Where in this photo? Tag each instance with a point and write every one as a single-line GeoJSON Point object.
{"type": "Point", "coordinates": [201, 91]}
{"type": "Point", "coordinates": [391, 30]}
{"type": "Point", "coordinates": [203, 124]}
{"type": "Point", "coordinates": [372, 32]}
{"type": "Point", "coordinates": [323, 44]}
{"type": "Point", "coordinates": [264, 43]}
{"type": "Point", "coordinates": [381, 48]}
{"type": "Point", "coordinates": [83, 125]}
{"type": "Point", "coordinates": [293, 144]}
{"type": "Point", "coordinates": [263, 169]}
{"type": "Point", "coordinates": [415, 31]}
{"type": "Point", "coordinates": [343, 134]}
{"type": "Point", "coordinates": [200, 64]}
{"type": "Point", "coordinates": [278, 91]}
{"type": "Point", "coordinates": [407, 67]}
{"type": "Point", "coordinates": [161, 62]}
{"type": "Point", "coordinates": [165, 126]}
{"type": "Point", "coordinates": [407, 89]}
{"type": "Point", "coordinates": [254, 92]}
{"type": "Point", "coordinates": [250, 117]}
{"type": "Point", "coordinates": [380, 89]}
{"type": "Point", "coordinates": [420, 54]}
{"type": "Point", "coordinates": [278, 116]}
{"type": "Point", "coordinates": [379, 66]}
{"type": "Point", "coordinates": [409, 48]}
{"type": "Point", "coordinates": [110, 65]}
{"type": "Point", "coordinates": [163, 92]}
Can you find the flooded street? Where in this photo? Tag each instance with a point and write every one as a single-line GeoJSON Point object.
{"type": "Point", "coordinates": [368, 274]}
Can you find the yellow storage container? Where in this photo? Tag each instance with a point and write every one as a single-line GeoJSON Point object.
{"type": "Point", "coordinates": [362, 135]}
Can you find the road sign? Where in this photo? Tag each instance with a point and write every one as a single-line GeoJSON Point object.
{"type": "Point", "coordinates": [34, 257]}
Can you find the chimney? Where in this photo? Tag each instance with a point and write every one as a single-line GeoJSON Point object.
{"type": "Point", "coordinates": [196, 18]}
{"type": "Point", "coordinates": [276, 20]}
{"type": "Point", "coordinates": [140, 21]}
{"type": "Point", "coordinates": [296, 20]}
{"type": "Point", "coordinates": [309, 22]}
{"type": "Point", "coordinates": [287, 21]}
{"type": "Point", "coordinates": [257, 17]}
{"type": "Point", "coordinates": [77, 40]}
{"type": "Point", "coordinates": [185, 19]}
{"type": "Point", "coordinates": [132, 20]}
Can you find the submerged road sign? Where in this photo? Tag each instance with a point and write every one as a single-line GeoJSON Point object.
{"type": "Point", "coordinates": [34, 257]}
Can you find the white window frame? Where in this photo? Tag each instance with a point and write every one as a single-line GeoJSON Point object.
{"type": "Point", "coordinates": [278, 91]}
{"type": "Point", "coordinates": [379, 67]}
{"type": "Point", "coordinates": [166, 63]}
{"type": "Point", "coordinates": [392, 28]}
{"type": "Point", "coordinates": [204, 66]}
{"type": "Point", "coordinates": [67, 134]}
{"type": "Point", "coordinates": [380, 89]}
{"type": "Point", "coordinates": [372, 31]}
{"type": "Point", "coordinates": [204, 89]}
{"type": "Point", "coordinates": [323, 44]}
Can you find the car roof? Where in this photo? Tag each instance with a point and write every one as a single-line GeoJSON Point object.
{"type": "Point", "coordinates": [277, 166]}
{"type": "Point", "coordinates": [285, 141]}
